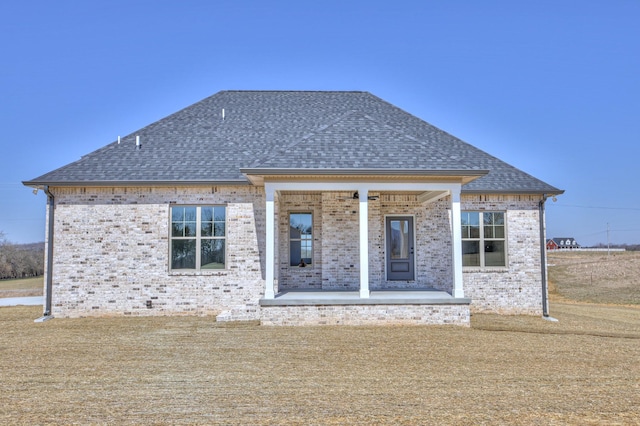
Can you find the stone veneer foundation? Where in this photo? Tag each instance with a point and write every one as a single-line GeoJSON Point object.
{"type": "Point", "coordinates": [111, 256]}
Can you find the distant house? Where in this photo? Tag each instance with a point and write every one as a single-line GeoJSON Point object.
{"type": "Point", "coordinates": [562, 244]}
{"type": "Point", "coordinates": [294, 208]}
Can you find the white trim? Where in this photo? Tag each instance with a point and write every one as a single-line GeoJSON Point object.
{"type": "Point", "coordinates": [456, 244]}
{"type": "Point", "coordinates": [353, 186]}
{"type": "Point", "coordinates": [481, 239]}
{"type": "Point", "coordinates": [269, 292]}
{"type": "Point", "coordinates": [364, 241]}
{"type": "Point", "coordinates": [198, 270]}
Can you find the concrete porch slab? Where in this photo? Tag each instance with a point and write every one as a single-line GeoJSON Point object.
{"type": "Point", "coordinates": [378, 297]}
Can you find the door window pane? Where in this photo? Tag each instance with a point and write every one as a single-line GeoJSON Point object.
{"type": "Point", "coordinates": [399, 239]}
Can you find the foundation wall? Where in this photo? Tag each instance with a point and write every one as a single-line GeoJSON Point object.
{"type": "Point", "coordinates": [366, 315]}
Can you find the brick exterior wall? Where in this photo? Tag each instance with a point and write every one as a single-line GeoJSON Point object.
{"type": "Point", "coordinates": [433, 257]}
{"type": "Point", "coordinates": [340, 250]}
{"type": "Point", "coordinates": [294, 277]}
{"type": "Point", "coordinates": [336, 251]}
{"type": "Point", "coordinates": [111, 254]}
{"type": "Point", "coordinates": [516, 289]}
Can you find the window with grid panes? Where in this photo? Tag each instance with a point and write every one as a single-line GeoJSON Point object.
{"type": "Point", "coordinates": [483, 239]}
{"type": "Point", "coordinates": [198, 237]}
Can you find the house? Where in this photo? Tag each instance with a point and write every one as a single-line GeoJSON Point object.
{"type": "Point", "coordinates": [293, 207]}
{"type": "Point", "coordinates": [562, 244]}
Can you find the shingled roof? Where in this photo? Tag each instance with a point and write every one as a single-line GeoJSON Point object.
{"type": "Point", "coordinates": [217, 139]}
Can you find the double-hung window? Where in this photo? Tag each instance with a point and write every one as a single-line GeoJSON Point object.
{"type": "Point", "coordinates": [198, 237]}
{"type": "Point", "coordinates": [483, 239]}
{"type": "Point", "coordinates": [300, 239]}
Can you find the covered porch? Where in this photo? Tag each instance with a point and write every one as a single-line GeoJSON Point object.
{"type": "Point", "coordinates": [347, 212]}
{"type": "Point", "coordinates": [362, 289]}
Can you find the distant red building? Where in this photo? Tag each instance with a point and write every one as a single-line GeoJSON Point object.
{"type": "Point", "coordinates": [562, 244]}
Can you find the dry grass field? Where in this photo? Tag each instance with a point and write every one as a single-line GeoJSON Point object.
{"type": "Point", "coordinates": [595, 277]}
{"type": "Point", "coordinates": [520, 370]}
{"type": "Point", "coordinates": [22, 287]}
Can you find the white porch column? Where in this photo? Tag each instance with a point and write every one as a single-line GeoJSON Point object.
{"type": "Point", "coordinates": [456, 243]}
{"type": "Point", "coordinates": [364, 242]}
{"type": "Point", "coordinates": [270, 249]}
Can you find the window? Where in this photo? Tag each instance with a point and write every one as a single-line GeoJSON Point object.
{"type": "Point", "coordinates": [300, 239]}
{"type": "Point", "coordinates": [483, 239]}
{"type": "Point", "coordinates": [198, 237]}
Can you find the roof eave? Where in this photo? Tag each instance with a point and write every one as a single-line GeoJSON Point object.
{"type": "Point", "coordinates": [546, 192]}
{"type": "Point", "coordinates": [360, 172]}
{"type": "Point", "coordinates": [132, 183]}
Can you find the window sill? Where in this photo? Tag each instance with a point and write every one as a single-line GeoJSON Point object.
{"type": "Point", "coordinates": [193, 272]}
{"type": "Point", "coordinates": [500, 269]}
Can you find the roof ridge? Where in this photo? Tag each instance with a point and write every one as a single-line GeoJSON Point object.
{"type": "Point", "coordinates": [292, 91]}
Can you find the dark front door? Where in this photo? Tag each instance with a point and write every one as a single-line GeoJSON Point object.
{"type": "Point", "coordinates": [400, 258]}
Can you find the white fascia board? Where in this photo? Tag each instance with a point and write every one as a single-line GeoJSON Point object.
{"type": "Point", "coordinates": [355, 185]}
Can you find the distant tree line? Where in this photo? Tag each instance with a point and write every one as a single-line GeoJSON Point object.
{"type": "Point", "coordinates": [20, 260]}
{"type": "Point", "coordinates": [627, 247]}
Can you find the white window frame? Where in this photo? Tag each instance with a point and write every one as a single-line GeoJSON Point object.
{"type": "Point", "coordinates": [198, 238]}
{"type": "Point", "coordinates": [481, 240]}
{"type": "Point", "coordinates": [289, 239]}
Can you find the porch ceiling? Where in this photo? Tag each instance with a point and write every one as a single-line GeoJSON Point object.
{"type": "Point", "coordinates": [424, 197]}
{"type": "Point", "coordinates": [308, 192]}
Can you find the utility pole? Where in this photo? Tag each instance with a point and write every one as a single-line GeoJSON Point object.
{"type": "Point", "coordinates": [608, 245]}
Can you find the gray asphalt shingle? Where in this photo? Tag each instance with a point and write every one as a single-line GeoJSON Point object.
{"type": "Point", "coordinates": [287, 129]}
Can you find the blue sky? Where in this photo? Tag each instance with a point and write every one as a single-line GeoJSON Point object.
{"type": "Point", "coordinates": [551, 87]}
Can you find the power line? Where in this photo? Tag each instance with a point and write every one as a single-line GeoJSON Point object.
{"type": "Point", "coordinates": [597, 207]}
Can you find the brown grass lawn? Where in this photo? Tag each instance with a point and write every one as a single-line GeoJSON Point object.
{"type": "Point", "coordinates": [595, 277]}
{"type": "Point", "coordinates": [22, 287]}
{"type": "Point", "coordinates": [584, 369]}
